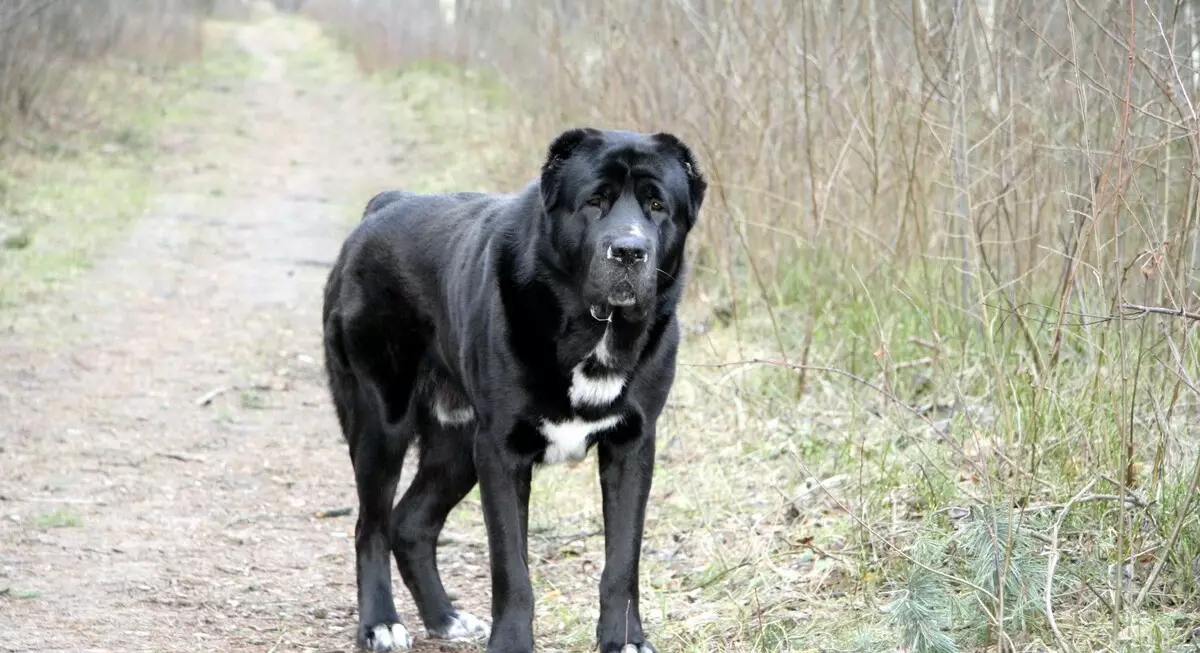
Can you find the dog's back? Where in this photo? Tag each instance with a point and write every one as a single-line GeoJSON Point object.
{"type": "Point", "coordinates": [400, 242]}
{"type": "Point", "coordinates": [387, 197]}
{"type": "Point", "coordinates": [406, 204]}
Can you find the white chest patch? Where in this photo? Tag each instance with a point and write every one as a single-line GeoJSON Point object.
{"type": "Point", "coordinates": [452, 416]}
{"type": "Point", "coordinates": [601, 352]}
{"type": "Point", "coordinates": [599, 390]}
{"type": "Point", "coordinates": [567, 440]}
{"type": "Point", "coordinates": [594, 391]}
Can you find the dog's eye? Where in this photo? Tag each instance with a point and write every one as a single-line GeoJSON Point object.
{"type": "Point", "coordinates": [596, 201]}
{"type": "Point", "coordinates": [656, 205]}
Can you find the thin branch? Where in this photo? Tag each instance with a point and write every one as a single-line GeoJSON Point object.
{"type": "Point", "coordinates": [1141, 311]}
{"type": "Point", "coordinates": [1128, 498]}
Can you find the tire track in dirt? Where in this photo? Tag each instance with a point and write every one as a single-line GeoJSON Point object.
{"type": "Point", "coordinates": [188, 527]}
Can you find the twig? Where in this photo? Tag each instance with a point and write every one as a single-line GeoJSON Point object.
{"type": "Point", "coordinates": [206, 398]}
{"type": "Point", "coordinates": [1052, 562]}
{"type": "Point", "coordinates": [918, 362]}
{"type": "Point", "coordinates": [567, 539]}
{"type": "Point", "coordinates": [926, 344]}
{"type": "Point", "coordinates": [1160, 310]}
{"type": "Point", "coordinates": [720, 575]}
{"type": "Point", "coordinates": [64, 500]}
{"type": "Point", "coordinates": [185, 457]}
{"type": "Point", "coordinates": [333, 512]}
{"type": "Point", "coordinates": [628, 606]}
{"type": "Point", "coordinates": [1129, 498]}
{"type": "Point", "coordinates": [279, 641]}
{"type": "Point", "coordinates": [1135, 312]}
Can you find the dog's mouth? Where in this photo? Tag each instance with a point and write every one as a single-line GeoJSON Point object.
{"type": "Point", "coordinates": [603, 312]}
{"type": "Point", "coordinates": [622, 295]}
{"type": "Point", "coordinates": [622, 299]}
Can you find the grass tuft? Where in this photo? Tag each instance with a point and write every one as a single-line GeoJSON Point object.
{"type": "Point", "coordinates": [58, 518]}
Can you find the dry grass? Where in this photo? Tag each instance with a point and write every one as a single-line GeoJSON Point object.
{"type": "Point", "coordinates": [910, 394]}
{"type": "Point", "coordinates": [378, 33]}
{"type": "Point", "coordinates": [48, 49]}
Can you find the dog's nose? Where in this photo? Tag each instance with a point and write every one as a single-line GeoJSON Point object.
{"type": "Point", "coordinates": [629, 250]}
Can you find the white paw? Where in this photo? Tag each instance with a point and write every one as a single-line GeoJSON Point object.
{"type": "Point", "coordinates": [389, 637]}
{"type": "Point", "coordinates": [632, 648]}
{"type": "Point", "coordinates": [463, 625]}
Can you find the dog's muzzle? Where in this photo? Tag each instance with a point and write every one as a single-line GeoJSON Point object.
{"type": "Point", "coordinates": [626, 260]}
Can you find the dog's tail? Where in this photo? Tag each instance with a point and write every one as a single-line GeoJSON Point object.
{"type": "Point", "coordinates": [342, 384]}
{"type": "Point", "coordinates": [339, 376]}
{"type": "Point", "coordinates": [383, 199]}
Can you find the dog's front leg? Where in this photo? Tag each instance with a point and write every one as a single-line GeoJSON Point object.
{"type": "Point", "coordinates": [626, 469]}
{"type": "Point", "coordinates": [504, 482]}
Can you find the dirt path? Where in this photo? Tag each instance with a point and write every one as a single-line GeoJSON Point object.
{"type": "Point", "coordinates": [134, 519]}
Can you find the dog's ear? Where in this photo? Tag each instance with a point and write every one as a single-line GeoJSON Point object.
{"type": "Point", "coordinates": [561, 149]}
{"type": "Point", "coordinates": [697, 186]}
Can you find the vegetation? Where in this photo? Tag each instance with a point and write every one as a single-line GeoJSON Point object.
{"type": "Point", "coordinates": [58, 518]}
{"type": "Point", "coordinates": [941, 388]}
{"type": "Point", "coordinates": [85, 87]}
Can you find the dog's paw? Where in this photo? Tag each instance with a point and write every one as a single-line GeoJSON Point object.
{"type": "Point", "coordinates": [644, 647]}
{"type": "Point", "coordinates": [387, 637]}
{"type": "Point", "coordinates": [463, 625]}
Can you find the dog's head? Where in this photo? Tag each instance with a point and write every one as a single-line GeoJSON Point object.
{"type": "Point", "coordinates": [620, 205]}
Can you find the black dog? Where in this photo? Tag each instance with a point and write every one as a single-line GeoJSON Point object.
{"type": "Point", "coordinates": [500, 332]}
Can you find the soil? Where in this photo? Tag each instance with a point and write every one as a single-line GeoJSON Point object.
{"type": "Point", "coordinates": [133, 515]}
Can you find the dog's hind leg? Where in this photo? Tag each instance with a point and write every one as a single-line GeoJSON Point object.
{"type": "Point", "coordinates": [379, 432]}
{"type": "Point", "coordinates": [445, 474]}
{"type": "Point", "coordinates": [376, 474]}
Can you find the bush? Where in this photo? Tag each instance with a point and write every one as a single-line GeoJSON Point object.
{"type": "Point", "coordinates": [45, 43]}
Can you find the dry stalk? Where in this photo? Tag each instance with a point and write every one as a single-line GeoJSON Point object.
{"type": "Point", "coordinates": [1052, 562]}
{"type": "Point", "coordinates": [1193, 490]}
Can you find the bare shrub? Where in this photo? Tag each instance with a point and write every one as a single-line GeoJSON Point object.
{"type": "Point", "coordinates": [43, 43]}
{"type": "Point", "coordinates": [230, 9]}
{"type": "Point", "coordinates": [380, 33]}
{"type": "Point", "coordinates": [858, 127]}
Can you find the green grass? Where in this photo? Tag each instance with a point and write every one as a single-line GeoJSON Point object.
{"type": "Point", "coordinates": [67, 197]}
{"type": "Point", "coordinates": [9, 592]}
{"type": "Point", "coordinates": [58, 518]}
{"type": "Point", "coordinates": [253, 400]}
{"type": "Point", "coordinates": [462, 114]}
{"type": "Point", "coordinates": [313, 54]}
